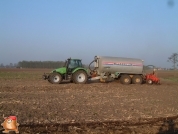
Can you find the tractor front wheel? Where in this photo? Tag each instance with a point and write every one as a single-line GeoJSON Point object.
{"type": "Point", "coordinates": [55, 78]}
{"type": "Point", "coordinates": [80, 77]}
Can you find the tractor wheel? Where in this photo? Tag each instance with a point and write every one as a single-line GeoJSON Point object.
{"type": "Point", "coordinates": [80, 77]}
{"type": "Point", "coordinates": [137, 79]}
{"type": "Point", "coordinates": [55, 78]}
{"type": "Point", "coordinates": [125, 79]}
{"type": "Point", "coordinates": [149, 81]}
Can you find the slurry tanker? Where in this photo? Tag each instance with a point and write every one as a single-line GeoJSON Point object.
{"type": "Point", "coordinates": [103, 68]}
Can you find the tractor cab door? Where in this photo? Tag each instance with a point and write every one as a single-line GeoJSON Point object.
{"type": "Point", "coordinates": [73, 64]}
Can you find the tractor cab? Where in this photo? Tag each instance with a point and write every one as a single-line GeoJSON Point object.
{"type": "Point", "coordinates": [72, 64]}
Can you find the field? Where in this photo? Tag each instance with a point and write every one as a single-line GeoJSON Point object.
{"type": "Point", "coordinates": [92, 108]}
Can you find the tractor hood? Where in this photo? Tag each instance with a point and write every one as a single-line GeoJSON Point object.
{"type": "Point", "coordinates": [61, 70]}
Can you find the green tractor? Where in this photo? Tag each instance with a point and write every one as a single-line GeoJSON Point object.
{"type": "Point", "coordinates": [72, 71]}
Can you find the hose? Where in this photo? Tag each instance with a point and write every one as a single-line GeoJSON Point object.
{"type": "Point", "coordinates": [90, 65]}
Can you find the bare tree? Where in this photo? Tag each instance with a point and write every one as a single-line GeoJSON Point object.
{"type": "Point", "coordinates": [174, 59]}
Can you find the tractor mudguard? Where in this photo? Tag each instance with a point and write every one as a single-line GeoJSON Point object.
{"type": "Point", "coordinates": [79, 68]}
{"type": "Point", "coordinates": [61, 70]}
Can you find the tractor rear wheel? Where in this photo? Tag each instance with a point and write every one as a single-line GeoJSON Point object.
{"type": "Point", "coordinates": [137, 79]}
{"type": "Point", "coordinates": [55, 78]}
{"type": "Point", "coordinates": [80, 77]}
{"type": "Point", "coordinates": [149, 81]}
{"type": "Point", "coordinates": [125, 79]}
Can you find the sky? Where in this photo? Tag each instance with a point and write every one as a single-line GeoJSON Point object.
{"type": "Point", "coordinates": [54, 30]}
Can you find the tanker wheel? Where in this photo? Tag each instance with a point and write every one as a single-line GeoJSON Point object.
{"type": "Point", "coordinates": [80, 77]}
{"type": "Point", "coordinates": [55, 78]}
{"type": "Point", "coordinates": [137, 79]}
{"type": "Point", "coordinates": [149, 81]}
{"type": "Point", "coordinates": [125, 79]}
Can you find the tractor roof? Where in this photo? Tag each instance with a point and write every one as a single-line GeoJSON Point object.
{"type": "Point", "coordinates": [74, 59]}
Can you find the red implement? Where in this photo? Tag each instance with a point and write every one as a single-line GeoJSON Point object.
{"type": "Point", "coordinates": [152, 78]}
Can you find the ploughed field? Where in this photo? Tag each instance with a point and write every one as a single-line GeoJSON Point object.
{"type": "Point", "coordinates": [42, 107]}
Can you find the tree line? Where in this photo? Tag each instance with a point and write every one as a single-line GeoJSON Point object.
{"type": "Point", "coordinates": [40, 64]}
{"type": "Point", "coordinates": [36, 64]}
{"type": "Point", "coordinates": [56, 64]}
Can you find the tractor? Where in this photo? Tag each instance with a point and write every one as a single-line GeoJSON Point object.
{"type": "Point", "coordinates": [72, 71]}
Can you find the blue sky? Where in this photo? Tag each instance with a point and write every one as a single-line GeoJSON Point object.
{"type": "Point", "coordinates": [41, 30]}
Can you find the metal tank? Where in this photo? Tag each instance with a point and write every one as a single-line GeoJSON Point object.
{"type": "Point", "coordinates": [118, 64]}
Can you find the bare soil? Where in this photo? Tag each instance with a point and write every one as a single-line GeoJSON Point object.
{"type": "Point", "coordinates": [42, 107]}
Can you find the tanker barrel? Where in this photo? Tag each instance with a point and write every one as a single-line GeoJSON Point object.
{"type": "Point", "coordinates": [118, 64]}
